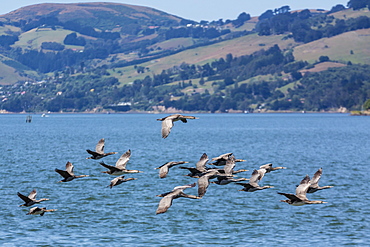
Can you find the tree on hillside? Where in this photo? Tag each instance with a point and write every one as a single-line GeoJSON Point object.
{"type": "Point", "coordinates": [72, 39]}
{"type": "Point", "coordinates": [52, 46]}
{"type": "Point", "coordinates": [358, 4]}
{"type": "Point", "coordinates": [263, 28]}
{"type": "Point", "coordinates": [367, 105]}
{"type": "Point", "coordinates": [337, 8]}
{"type": "Point", "coordinates": [304, 14]}
{"type": "Point", "coordinates": [282, 10]}
{"type": "Point", "coordinates": [7, 40]}
{"type": "Point", "coordinates": [243, 17]}
{"type": "Point", "coordinates": [266, 15]}
{"type": "Point", "coordinates": [324, 59]}
{"type": "Point", "coordinates": [280, 23]}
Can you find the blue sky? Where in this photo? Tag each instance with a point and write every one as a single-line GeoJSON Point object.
{"type": "Point", "coordinates": [200, 9]}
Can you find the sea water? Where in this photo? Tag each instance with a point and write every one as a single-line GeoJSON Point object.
{"type": "Point", "coordinates": [90, 213]}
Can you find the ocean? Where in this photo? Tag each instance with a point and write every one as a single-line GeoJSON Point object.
{"type": "Point", "coordinates": [90, 213]}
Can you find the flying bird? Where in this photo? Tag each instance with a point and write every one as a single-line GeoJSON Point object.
{"type": "Point", "coordinates": [30, 199]}
{"type": "Point", "coordinates": [120, 167]}
{"type": "Point", "coordinates": [300, 198]}
{"type": "Point", "coordinates": [177, 192]}
{"type": "Point", "coordinates": [39, 211]}
{"type": "Point", "coordinates": [252, 185]}
{"type": "Point", "coordinates": [199, 168]}
{"type": "Point", "coordinates": [193, 172]}
{"type": "Point", "coordinates": [223, 180]}
{"type": "Point", "coordinates": [315, 183]}
{"type": "Point", "coordinates": [201, 164]}
{"type": "Point", "coordinates": [268, 167]}
{"type": "Point", "coordinates": [168, 122]}
{"type": "Point", "coordinates": [119, 180]}
{"type": "Point", "coordinates": [203, 182]}
{"type": "Point", "coordinates": [68, 174]}
{"type": "Point", "coordinates": [221, 160]}
{"type": "Point", "coordinates": [99, 151]}
{"type": "Point", "coordinates": [164, 169]}
{"type": "Point", "coordinates": [229, 165]}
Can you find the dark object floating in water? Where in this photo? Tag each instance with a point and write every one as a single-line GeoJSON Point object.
{"type": "Point", "coordinates": [29, 119]}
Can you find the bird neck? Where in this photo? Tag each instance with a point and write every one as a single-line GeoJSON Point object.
{"type": "Point", "coordinates": [42, 199]}
{"type": "Point", "coordinates": [81, 176]}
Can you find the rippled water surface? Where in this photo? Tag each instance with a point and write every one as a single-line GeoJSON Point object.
{"type": "Point", "coordinates": [90, 213]}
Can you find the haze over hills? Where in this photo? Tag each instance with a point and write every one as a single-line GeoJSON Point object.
{"type": "Point", "coordinates": [96, 56]}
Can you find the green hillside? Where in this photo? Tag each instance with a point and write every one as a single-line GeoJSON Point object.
{"type": "Point", "coordinates": [34, 38]}
{"type": "Point", "coordinates": [5, 29]}
{"type": "Point", "coordinates": [201, 55]}
{"type": "Point", "coordinates": [84, 56]}
{"type": "Point", "coordinates": [12, 72]}
{"type": "Point", "coordinates": [350, 13]}
{"type": "Point", "coordinates": [350, 46]}
{"type": "Point", "coordinates": [103, 15]}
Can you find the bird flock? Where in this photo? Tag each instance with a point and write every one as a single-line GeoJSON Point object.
{"type": "Point", "coordinates": [219, 171]}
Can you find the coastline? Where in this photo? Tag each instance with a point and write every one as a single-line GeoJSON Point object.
{"type": "Point", "coordinates": [171, 110]}
{"type": "Point", "coordinates": [352, 113]}
{"type": "Point", "coordinates": [360, 113]}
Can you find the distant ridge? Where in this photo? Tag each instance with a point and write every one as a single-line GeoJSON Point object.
{"type": "Point", "coordinates": [92, 13]}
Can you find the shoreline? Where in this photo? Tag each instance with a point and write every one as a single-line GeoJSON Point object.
{"type": "Point", "coordinates": [352, 113]}
{"type": "Point", "coordinates": [360, 113]}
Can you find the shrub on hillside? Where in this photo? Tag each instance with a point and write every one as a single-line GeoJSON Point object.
{"type": "Point", "coordinates": [54, 46]}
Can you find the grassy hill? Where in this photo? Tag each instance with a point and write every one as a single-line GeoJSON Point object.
{"type": "Point", "coordinates": [12, 71]}
{"type": "Point", "coordinates": [101, 15]}
{"type": "Point", "coordinates": [350, 13]}
{"type": "Point", "coordinates": [244, 45]}
{"type": "Point", "coordinates": [124, 44]}
{"type": "Point", "coordinates": [33, 38]}
{"type": "Point", "coordinates": [5, 29]}
{"type": "Point", "coordinates": [350, 46]}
